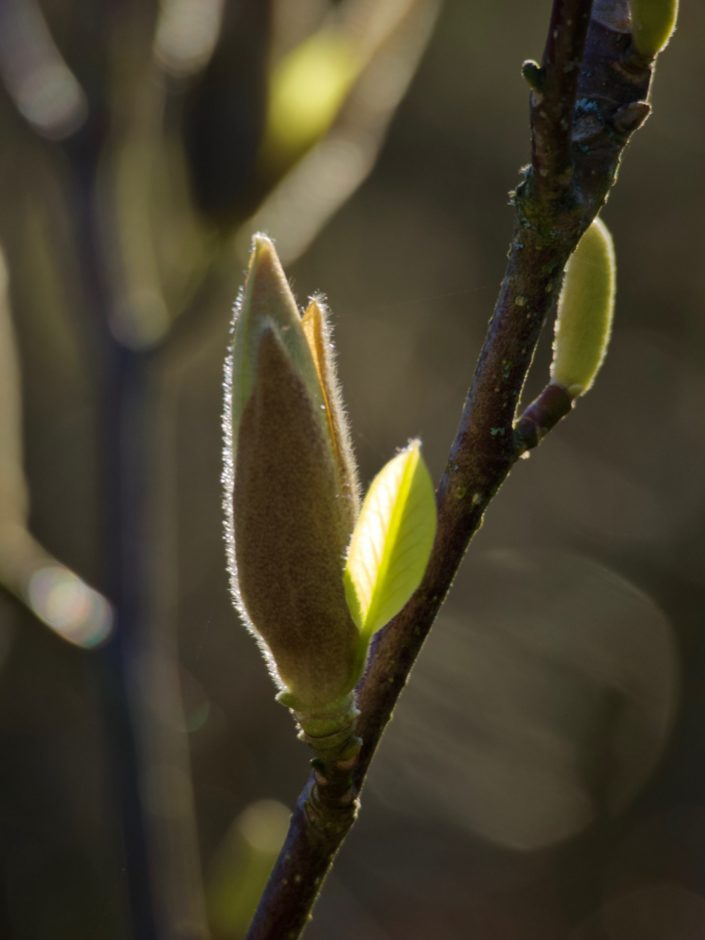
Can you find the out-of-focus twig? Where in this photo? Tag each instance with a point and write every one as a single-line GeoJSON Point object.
{"type": "Point", "coordinates": [186, 34]}
{"type": "Point", "coordinates": [52, 592]}
{"type": "Point", "coordinates": [43, 87]}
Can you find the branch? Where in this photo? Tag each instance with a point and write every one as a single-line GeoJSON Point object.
{"type": "Point", "coordinates": [581, 120]}
{"type": "Point", "coordinates": [553, 94]}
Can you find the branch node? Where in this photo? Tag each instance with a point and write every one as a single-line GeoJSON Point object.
{"type": "Point", "coordinates": [543, 414]}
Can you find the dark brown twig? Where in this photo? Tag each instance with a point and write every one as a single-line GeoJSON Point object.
{"type": "Point", "coordinates": [553, 101]}
{"type": "Point", "coordinates": [578, 143]}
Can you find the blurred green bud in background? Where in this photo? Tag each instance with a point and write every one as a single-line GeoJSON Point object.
{"type": "Point", "coordinates": [291, 488]}
{"type": "Point", "coordinates": [307, 90]}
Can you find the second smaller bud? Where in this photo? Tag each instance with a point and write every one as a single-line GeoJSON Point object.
{"type": "Point", "coordinates": [585, 311]}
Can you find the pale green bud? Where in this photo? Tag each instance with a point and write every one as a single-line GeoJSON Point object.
{"type": "Point", "coordinates": [585, 308]}
{"type": "Point", "coordinates": [291, 489]}
{"type": "Point", "coordinates": [653, 24]}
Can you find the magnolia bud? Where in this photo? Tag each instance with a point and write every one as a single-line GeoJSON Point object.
{"type": "Point", "coordinates": [653, 23]}
{"type": "Point", "coordinates": [291, 489]}
{"type": "Point", "coordinates": [585, 309]}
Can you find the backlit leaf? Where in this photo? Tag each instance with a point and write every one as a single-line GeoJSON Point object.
{"type": "Point", "coordinates": [391, 542]}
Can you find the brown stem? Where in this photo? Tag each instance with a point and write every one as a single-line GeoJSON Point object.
{"type": "Point", "coordinates": [541, 416]}
{"type": "Point", "coordinates": [581, 119]}
{"type": "Point", "coordinates": [304, 861]}
{"type": "Point", "coordinates": [552, 106]}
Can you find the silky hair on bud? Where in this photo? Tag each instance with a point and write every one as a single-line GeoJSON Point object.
{"type": "Point", "coordinates": [290, 487]}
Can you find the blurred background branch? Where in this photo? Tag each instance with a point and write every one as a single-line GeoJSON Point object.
{"type": "Point", "coordinates": [52, 592]}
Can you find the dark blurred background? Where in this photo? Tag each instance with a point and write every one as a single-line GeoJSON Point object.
{"type": "Point", "coordinates": [544, 775]}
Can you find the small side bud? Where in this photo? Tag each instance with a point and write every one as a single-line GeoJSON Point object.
{"type": "Point", "coordinates": [585, 309]}
{"type": "Point", "coordinates": [534, 75]}
{"type": "Point", "coordinates": [653, 24]}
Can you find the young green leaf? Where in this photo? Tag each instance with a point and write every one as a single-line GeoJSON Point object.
{"type": "Point", "coordinates": [585, 309]}
{"type": "Point", "coordinates": [391, 542]}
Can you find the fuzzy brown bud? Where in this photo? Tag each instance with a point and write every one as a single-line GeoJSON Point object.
{"type": "Point", "coordinates": [291, 490]}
